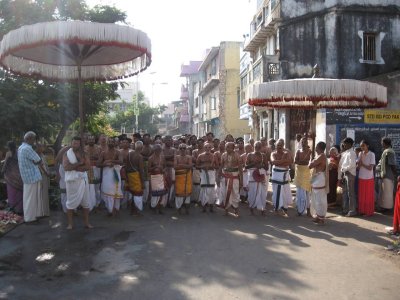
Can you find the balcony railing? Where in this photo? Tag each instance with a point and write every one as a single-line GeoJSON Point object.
{"type": "Point", "coordinates": [258, 33]}
{"type": "Point", "coordinates": [212, 82]}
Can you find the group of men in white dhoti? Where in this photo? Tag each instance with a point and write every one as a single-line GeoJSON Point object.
{"type": "Point", "coordinates": [206, 171]}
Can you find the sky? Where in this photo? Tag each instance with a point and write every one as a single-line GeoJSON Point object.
{"type": "Point", "coordinates": [180, 31]}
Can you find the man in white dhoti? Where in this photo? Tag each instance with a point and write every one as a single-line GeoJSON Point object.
{"type": "Point", "coordinates": [60, 177]}
{"type": "Point", "coordinates": [158, 185]}
{"type": "Point", "coordinates": [230, 179]}
{"type": "Point", "coordinates": [94, 173]}
{"type": "Point", "coordinates": [206, 162]}
{"type": "Point", "coordinates": [111, 184]}
{"type": "Point", "coordinates": [28, 162]}
{"type": "Point", "coordinates": [302, 178]}
{"type": "Point", "coordinates": [196, 171]}
{"type": "Point", "coordinates": [387, 172]}
{"type": "Point", "coordinates": [319, 184]}
{"type": "Point", "coordinates": [169, 156]}
{"type": "Point", "coordinates": [76, 164]}
{"type": "Point", "coordinates": [281, 159]}
{"type": "Point", "coordinates": [257, 168]}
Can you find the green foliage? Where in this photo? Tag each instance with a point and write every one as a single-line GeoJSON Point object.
{"type": "Point", "coordinates": [106, 14]}
{"type": "Point", "coordinates": [147, 118]}
{"type": "Point", "coordinates": [46, 107]}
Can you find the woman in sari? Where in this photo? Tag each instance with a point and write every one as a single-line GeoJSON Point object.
{"type": "Point", "coordinates": [13, 179]}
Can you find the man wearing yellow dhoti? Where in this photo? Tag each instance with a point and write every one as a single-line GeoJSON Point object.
{"type": "Point", "coordinates": [183, 179]}
{"type": "Point", "coordinates": [147, 151]}
{"type": "Point", "coordinates": [135, 177]}
{"type": "Point", "coordinates": [302, 177]}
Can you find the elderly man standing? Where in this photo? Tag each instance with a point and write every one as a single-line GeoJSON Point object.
{"type": "Point", "coordinates": [281, 159]}
{"type": "Point", "coordinates": [387, 171]}
{"type": "Point", "coordinates": [28, 162]}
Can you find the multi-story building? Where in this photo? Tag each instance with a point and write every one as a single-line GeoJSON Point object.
{"type": "Point", "coordinates": [126, 96]}
{"type": "Point", "coordinates": [219, 92]}
{"type": "Point", "coordinates": [190, 91]}
{"type": "Point", "coordinates": [347, 39]}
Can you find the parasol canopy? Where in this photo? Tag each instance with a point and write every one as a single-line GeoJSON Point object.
{"type": "Point", "coordinates": [314, 93]}
{"type": "Point", "coordinates": [54, 50]}
{"type": "Point", "coordinates": [76, 51]}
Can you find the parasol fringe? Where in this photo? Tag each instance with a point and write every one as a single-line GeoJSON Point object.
{"type": "Point", "coordinates": [318, 93]}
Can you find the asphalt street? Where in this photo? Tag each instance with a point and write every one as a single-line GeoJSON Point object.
{"type": "Point", "coordinates": [199, 256]}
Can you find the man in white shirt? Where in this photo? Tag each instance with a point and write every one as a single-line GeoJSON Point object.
{"type": "Point", "coordinates": [346, 177]}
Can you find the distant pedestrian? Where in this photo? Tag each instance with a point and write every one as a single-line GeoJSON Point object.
{"type": "Point", "coordinates": [29, 161]}
{"type": "Point", "coordinates": [13, 179]}
{"type": "Point", "coordinates": [44, 209]}
{"type": "Point", "coordinates": [366, 180]}
{"type": "Point", "coordinates": [334, 158]}
{"type": "Point", "coordinates": [387, 170]}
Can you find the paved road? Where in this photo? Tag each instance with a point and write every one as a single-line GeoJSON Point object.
{"type": "Point", "coordinates": [199, 256]}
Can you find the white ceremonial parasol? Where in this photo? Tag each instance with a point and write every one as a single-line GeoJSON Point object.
{"type": "Point", "coordinates": [76, 51]}
{"type": "Point", "coordinates": [315, 93]}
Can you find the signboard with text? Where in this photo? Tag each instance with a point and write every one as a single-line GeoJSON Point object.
{"type": "Point", "coordinates": [344, 116]}
{"type": "Point", "coordinates": [376, 116]}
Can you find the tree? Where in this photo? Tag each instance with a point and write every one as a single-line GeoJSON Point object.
{"type": "Point", "coordinates": [147, 118]}
{"type": "Point", "coordinates": [46, 107]}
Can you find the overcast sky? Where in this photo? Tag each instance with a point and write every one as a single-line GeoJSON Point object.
{"type": "Point", "coordinates": [181, 30]}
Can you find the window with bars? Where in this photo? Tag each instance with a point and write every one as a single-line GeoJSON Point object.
{"type": "Point", "coordinates": [273, 69]}
{"type": "Point", "coordinates": [369, 46]}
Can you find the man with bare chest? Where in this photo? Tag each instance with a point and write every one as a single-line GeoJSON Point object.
{"type": "Point", "coordinates": [302, 177]}
{"type": "Point", "coordinates": [111, 184]}
{"type": "Point", "coordinates": [240, 146]}
{"type": "Point", "coordinates": [147, 151]}
{"type": "Point", "coordinates": [125, 144]}
{"type": "Point", "coordinates": [281, 159]}
{"type": "Point", "coordinates": [218, 155]}
{"type": "Point", "coordinates": [183, 178]}
{"type": "Point", "coordinates": [207, 165]}
{"type": "Point", "coordinates": [103, 142]}
{"type": "Point", "coordinates": [319, 184]}
{"type": "Point", "coordinates": [196, 171]}
{"type": "Point", "coordinates": [169, 156]}
{"type": "Point", "coordinates": [257, 169]}
{"type": "Point", "coordinates": [94, 172]}
{"type": "Point", "coordinates": [157, 179]}
{"type": "Point", "coordinates": [230, 182]}
{"type": "Point", "coordinates": [245, 180]}
{"type": "Point", "coordinates": [135, 177]}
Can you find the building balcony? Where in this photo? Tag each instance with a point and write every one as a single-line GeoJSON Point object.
{"type": "Point", "coordinates": [211, 83]}
{"type": "Point", "coordinates": [184, 93]}
{"type": "Point", "coordinates": [263, 25]}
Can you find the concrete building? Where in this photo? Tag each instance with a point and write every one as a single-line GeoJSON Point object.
{"type": "Point", "coordinates": [191, 91]}
{"type": "Point", "coordinates": [352, 39]}
{"type": "Point", "coordinates": [126, 95]}
{"type": "Point", "coordinates": [219, 92]}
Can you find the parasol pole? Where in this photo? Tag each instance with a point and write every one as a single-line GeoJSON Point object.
{"type": "Point", "coordinates": [80, 97]}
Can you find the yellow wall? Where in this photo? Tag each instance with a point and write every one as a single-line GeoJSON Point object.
{"type": "Point", "coordinates": [230, 116]}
